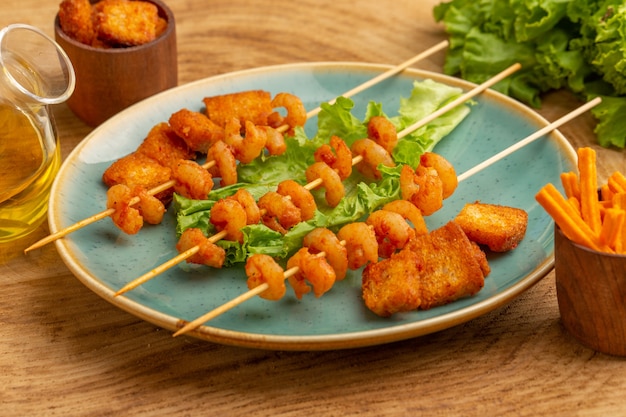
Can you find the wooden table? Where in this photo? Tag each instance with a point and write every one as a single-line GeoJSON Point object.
{"type": "Point", "coordinates": [64, 351]}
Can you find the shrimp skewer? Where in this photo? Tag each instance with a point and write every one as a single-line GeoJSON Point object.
{"type": "Point", "coordinates": [357, 159]}
{"type": "Point", "coordinates": [169, 184]}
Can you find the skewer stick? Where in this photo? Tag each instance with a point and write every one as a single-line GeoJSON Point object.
{"type": "Point", "coordinates": [488, 162]}
{"type": "Point", "coordinates": [167, 265]}
{"type": "Point", "coordinates": [315, 183]}
{"type": "Point", "coordinates": [538, 134]}
{"type": "Point", "coordinates": [231, 304]}
{"type": "Point", "coordinates": [106, 213]}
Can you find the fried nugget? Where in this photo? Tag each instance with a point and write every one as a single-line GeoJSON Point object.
{"type": "Point", "coordinates": [432, 270]}
{"type": "Point", "coordinates": [253, 105]}
{"type": "Point", "coordinates": [165, 146]}
{"type": "Point", "coordinates": [126, 22]}
{"type": "Point", "coordinates": [137, 169]}
{"type": "Point", "coordinates": [393, 284]}
{"type": "Point", "coordinates": [76, 20]}
{"type": "Point", "coordinates": [196, 129]}
{"type": "Point", "coordinates": [448, 265]}
{"type": "Point", "coordinates": [500, 228]}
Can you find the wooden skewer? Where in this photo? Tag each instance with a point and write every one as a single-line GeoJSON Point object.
{"type": "Point", "coordinates": [257, 290]}
{"type": "Point", "coordinates": [165, 186]}
{"type": "Point", "coordinates": [232, 303]}
{"type": "Point", "coordinates": [541, 132]}
{"type": "Point", "coordinates": [313, 184]}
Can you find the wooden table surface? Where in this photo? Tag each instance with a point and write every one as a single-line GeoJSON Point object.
{"type": "Point", "coordinates": [66, 352]}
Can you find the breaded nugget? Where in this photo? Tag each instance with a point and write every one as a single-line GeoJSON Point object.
{"type": "Point", "coordinates": [501, 228]}
{"type": "Point", "coordinates": [165, 146]}
{"type": "Point", "coordinates": [76, 20]}
{"type": "Point", "coordinates": [196, 129]}
{"type": "Point", "coordinates": [448, 266]}
{"type": "Point", "coordinates": [137, 169]}
{"type": "Point", "coordinates": [253, 105]}
{"type": "Point", "coordinates": [126, 22]}
{"type": "Point", "coordinates": [393, 284]}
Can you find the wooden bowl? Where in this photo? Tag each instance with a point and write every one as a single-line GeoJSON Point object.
{"type": "Point", "coordinates": [109, 80]}
{"type": "Point", "coordinates": [591, 293]}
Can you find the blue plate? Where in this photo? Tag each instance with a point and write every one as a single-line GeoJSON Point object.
{"type": "Point", "coordinates": [105, 259]}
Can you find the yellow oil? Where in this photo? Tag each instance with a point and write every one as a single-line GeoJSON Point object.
{"type": "Point", "coordinates": [27, 171]}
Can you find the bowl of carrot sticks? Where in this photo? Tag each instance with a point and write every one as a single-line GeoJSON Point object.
{"type": "Point", "coordinates": [590, 254]}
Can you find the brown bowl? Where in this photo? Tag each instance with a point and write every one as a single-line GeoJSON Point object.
{"type": "Point", "coordinates": [109, 80]}
{"type": "Point", "coordinates": [591, 293]}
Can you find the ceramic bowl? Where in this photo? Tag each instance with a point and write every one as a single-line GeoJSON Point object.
{"type": "Point", "coordinates": [110, 80]}
{"type": "Point", "coordinates": [591, 293]}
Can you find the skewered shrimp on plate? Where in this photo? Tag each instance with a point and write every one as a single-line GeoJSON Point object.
{"type": "Point", "coordinates": [312, 268]}
{"type": "Point", "coordinates": [229, 216]}
{"type": "Point", "coordinates": [249, 204]}
{"type": "Point", "coordinates": [279, 212]}
{"type": "Point", "coordinates": [373, 155]}
{"type": "Point", "coordinates": [192, 181]}
{"type": "Point", "coordinates": [383, 132]}
{"type": "Point", "coordinates": [208, 254]}
{"type": "Point", "coordinates": [225, 163]}
{"type": "Point", "coordinates": [360, 242]}
{"type": "Point", "coordinates": [296, 113]}
{"type": "Point", "coordinates": [335, 190]}
{"type": "Point", "coordinates": [323, 240]}
{"type": "Point", "coordinates": [125, 217]}
{"type": "Point", "coordinates": [300, 197]}
{"type": "Point", "coordinates": [392, 231]}
{"type": "Point", "coordinates": [248, 147]}
{"type": "Point", "coordinates": [260, 269]}
{"type": "Point", "coordinates": [336, 155]}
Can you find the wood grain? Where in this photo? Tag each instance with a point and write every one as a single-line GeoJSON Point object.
{"type": "Point", "coordinates": [65, 351]}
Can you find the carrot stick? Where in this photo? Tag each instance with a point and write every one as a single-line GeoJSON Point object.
{"type": "Point", "coordinates": [612, 227]}
{"type": "Point", "coordinates": [566, 217]}
{"type": "Point", "coordinates": [570, 184]}
{"type": "Point", "coordinates": [589, 188]}
{"type": "Point", "coordinates": [617, 182]}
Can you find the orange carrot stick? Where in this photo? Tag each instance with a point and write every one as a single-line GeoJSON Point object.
{"type": "Point", "coordinates": [570, 184]}
{"type": "Point", "coordinates": [566, 217]}
{"type": "Point", "coordinates": [612, 227]}
{"type": "Point", "coordinates": [589, 188]}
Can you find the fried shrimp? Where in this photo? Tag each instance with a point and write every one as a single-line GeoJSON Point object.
{"type": "Point", "coordinates": [192, 181]}
{"type": "Point", "coordinates": [196, 129]}
{"type": "Point", "coordinates": [247, 201]}
{"type": "Point", "coordinates": [279, 212]}
{"type": "Point", "coordinates": [422, 187]}
{"type": "Point", "coordinates": [125, 217]}
{"type": "Point", "coordinates": [208, 254]}
{"type": "Point", "coordinates": [296, 113]}
{"type": "Point", "coordinates": [225, 163]}
{"type": "Point", "coordinates": [229, 216]}
{"type": "Point", "coordinates": [383, 132]}
{"type": "Point", "coordinates": [322, 239]}
{"type": "Point", "coordinates": [261, 269]}
{"type": "Point", "coordinates": [150, 207]}
{"type": "Point", "coordinates": [360, 242]}
{"type": "Point", "coordinates": [410, 212]}
{"type": "Point", "coordinates": [312, 268]}
{"type": "Point", "coordinates": [336, 155]}
{"type": "Point", "coordinates": [248, 147]}
{"type": "Point", "coordinates": [373, 155]}
{"type": "Point", "coordinates": [275, 141]}
{"type": "Point", "coordinates": [300, 197]}
{"type": "Point", "coordinates": [444, 169]}
{"type": "Point", "coordinates": [331, 181]}
{"type": "Point", "coordinates": [392, 231]}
